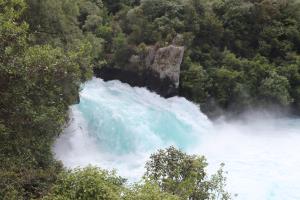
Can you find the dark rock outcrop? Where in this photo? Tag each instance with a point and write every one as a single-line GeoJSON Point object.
{"type": "Point", "coordinates": [159, 70]}
{"type": "Point", "coordinates": [167, 63]}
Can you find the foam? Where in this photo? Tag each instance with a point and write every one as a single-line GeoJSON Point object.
{"type": "Point", "coordinates": [118, 126]}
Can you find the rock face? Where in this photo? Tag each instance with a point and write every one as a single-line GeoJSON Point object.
{"type": "Point", "coordinates": [159, 71]}
{"type": "Point", "coordinates": [167, 63]}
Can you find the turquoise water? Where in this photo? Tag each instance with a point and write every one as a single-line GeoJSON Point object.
{"type": "Point", "coordinates": [117, 126]}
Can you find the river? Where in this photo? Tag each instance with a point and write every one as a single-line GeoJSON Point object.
{"type": "Point", "coordinates": [116, 126]}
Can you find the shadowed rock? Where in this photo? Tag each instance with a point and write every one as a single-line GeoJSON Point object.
{"type": "Point", "coordinates": [159, 71]}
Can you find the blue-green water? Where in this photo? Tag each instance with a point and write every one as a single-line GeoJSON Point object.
{"type": "Point", "coordinates": [117, 126]}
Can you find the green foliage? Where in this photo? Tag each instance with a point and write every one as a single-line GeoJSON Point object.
{"type": "Point", "coordinates": [225, 38]}
{"type": "Point", "coordinates": [53, 21]}
{"type": "Point", "coordinates": [12, 33]}
{"type": "Point", "coordinates": [238, 54]}
{"type": "Point", "coordinates": [122, 51]}
{"type": "Point", "coordinates": [275, 88]}
{"type": "Point", "coordinates": [147, 191]}
{"type": "Point", "coordinates": [225, 81]}
{"type": "Point", "coordinates": [68, 24]}
{"type": "Point", "coordinates": [91, 14]}
{"type": "Point", "coordinates": [114, 6]}
{"type": "Point", "coordinates": [93, 183]}
{"type": "Point", "coordinates": [154, 21]}
{"type": "Point", "coordinates": [236, 43]}
{"type": "Point", "coordinates": [38, 83]}
{"type": "Point", "coordinates": [195, 83]}
{"type": "Point", "coordinates": [88, 184]}
{"type": "Point", "coordinates": [171, 175]}
{"type": "Point", "coordinates": [184, 175]}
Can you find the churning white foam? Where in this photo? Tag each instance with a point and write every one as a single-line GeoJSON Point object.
{"type": "Point", "coordinates": [116, 126]}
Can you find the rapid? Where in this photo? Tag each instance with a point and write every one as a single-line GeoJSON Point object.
{"type": "Point", "coordinates": [116, 126]}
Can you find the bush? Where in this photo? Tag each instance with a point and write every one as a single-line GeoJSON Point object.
{"type": "Point", "coordinates": [86, 184]}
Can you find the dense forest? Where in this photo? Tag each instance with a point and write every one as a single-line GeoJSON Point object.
{"type": "Point", "coordinates": [238, 54]}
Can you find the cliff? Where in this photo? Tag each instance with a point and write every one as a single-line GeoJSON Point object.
{"type": "Point", "coordinates": [158, 69]}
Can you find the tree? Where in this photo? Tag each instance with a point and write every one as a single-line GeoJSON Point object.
{"type": "Point", "coordinates": [184, 175]}
{"type": "Point", "coordinates": [224, 84]}
{"type": "Point", "coordinates": [53, 21]}
{"type": "Point", "coordinates": [262, 26]}
{"type": "Point", "coordinates": [275, 88]}
{"type": "Point", "coordinates": [38, 83]}
{"type": "Point", "coordinates": [195, 83]}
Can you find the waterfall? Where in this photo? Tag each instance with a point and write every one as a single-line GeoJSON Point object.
{"type": "Point", "coordinates": [116, 126]}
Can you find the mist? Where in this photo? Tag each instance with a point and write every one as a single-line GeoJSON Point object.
{"type": "Point", "coordinates": [116, 126]}
{"type": "Point", "coordinates": [260, 152]}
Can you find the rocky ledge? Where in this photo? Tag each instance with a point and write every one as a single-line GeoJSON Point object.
{"type": "Point", "coordinates": [159, 70]}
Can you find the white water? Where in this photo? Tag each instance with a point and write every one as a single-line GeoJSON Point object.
{"type": "Point", "coordinates": [117, 126]}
